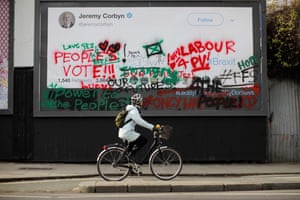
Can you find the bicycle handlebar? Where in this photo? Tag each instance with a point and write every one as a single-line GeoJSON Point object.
{"type": "Point", "coordinates": [163, 131]}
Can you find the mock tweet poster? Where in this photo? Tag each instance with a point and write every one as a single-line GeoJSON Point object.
{"type": "Point", "coordinates": [5, 87]}
{"type": "Point", "coordinates": [181, 58]}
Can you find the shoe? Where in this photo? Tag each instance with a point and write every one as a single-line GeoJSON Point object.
{"type": "Point", "coordinates": [135, 170]}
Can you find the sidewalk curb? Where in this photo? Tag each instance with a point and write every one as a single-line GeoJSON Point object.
{"type": "Point", "coordinates": [147, 188]}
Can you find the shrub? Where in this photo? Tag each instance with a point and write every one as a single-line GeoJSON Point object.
{"type": "Point", "coordinates": [283, 46]}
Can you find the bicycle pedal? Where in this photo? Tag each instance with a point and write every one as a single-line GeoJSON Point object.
{"type": "Point", "coordinates": [133, 173]}
{"type": "Point", "coordinates": [136, 169]}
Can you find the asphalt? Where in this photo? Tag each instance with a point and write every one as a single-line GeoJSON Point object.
{"type": "Point", "coordinates": [193, 178]}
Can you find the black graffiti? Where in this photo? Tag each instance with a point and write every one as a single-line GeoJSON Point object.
{"type": "Point", "coordinates": [205, 84]}
{"type": "Point", "coordinates": [222, 101]}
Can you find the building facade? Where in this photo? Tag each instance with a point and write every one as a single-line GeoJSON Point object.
{"type": "Point", "coordinates": [201, 67]}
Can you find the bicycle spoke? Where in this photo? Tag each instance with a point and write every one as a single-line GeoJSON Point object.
{"type": "Point", "coordinates": [171, 158]}
{"type": "Point", "coordinates": [107, 159]}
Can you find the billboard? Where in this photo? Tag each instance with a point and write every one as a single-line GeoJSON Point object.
{"type": "Point", "coordinates": [191, 60]}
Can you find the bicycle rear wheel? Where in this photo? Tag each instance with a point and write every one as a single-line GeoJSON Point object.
{"type": "Point", "coordinates": [165, 163]}
{"type": "Point", "coordinates": [112, 165]}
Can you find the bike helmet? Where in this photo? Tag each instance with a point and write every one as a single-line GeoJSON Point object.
{"type": "Point", "coordinates": [136, 99]}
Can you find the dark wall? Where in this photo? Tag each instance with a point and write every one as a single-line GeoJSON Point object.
{"type": "Point", "coordinates": [6, 137]}
{"type": "Point", "coordinates": [23, 110]}
{"type": "Point", "coordinates": [197, 139]}
{"type": "Point", "coordinates": [16, 129]}
{"type": "Point", "coordinates": [79, 139]}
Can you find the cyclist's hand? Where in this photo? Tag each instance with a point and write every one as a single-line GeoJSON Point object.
{"type": "Point", "coordinates": [156, 127]}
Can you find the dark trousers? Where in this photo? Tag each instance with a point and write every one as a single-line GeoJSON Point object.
{"type": "Point", "coordinates": [137, 144]}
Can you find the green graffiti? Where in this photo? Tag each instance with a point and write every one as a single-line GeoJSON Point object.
{"type": "Point", "coordinates": [77, 45]}
{"type": "Point", "coordinates": [154, 49]}
{"type": "Point", "coordinates": [172, 79]}
{"type": "Point", "coordinates": [55, 97]}
{"type": "Point", "coordinates": [248, 63]}
{"type": "Point", "coordinates": [164, 74]}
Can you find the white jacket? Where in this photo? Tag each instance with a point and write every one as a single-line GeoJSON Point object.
{"type": "Point", "coordinates": [127, 132]}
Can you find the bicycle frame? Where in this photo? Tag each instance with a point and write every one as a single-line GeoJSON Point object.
{"type": "Point", "coordinates": [156, 144]}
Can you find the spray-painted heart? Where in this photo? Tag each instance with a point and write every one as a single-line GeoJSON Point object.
{"type": "Point", "coordinates": [114, 47]}
{"type": "Point", "coordinates": [103, 45]}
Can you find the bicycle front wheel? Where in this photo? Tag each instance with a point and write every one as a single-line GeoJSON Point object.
{"type": "Point", "coordinates": [165, 163]}
{"type": "Point", "coordinates": [112, 165]}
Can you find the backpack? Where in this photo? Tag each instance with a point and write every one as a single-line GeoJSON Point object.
{"type": "Point", "coordinates": [120, 119]}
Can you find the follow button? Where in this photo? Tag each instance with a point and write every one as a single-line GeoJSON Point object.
{"type": "Point", "coordinates": [205, 19]}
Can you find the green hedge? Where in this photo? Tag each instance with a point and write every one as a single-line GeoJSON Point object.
{"type": "Point", "coordinates": [283, 43]}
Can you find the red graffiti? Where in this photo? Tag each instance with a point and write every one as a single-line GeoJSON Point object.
{"type": "Point", "coordinates": [200, 62]}
{"type": "Point", "coordinates": [87, 63]}
{"type": "Point", "coordinates": [93, 85]}
{"type": "Point", "coordinates": [94, 71]}
{"type": "Point", "coordinates": [103, 71]}
{"type": "Point", "coordinates": [162, 103]}
{"type": "Point", "coordinates": [198, 53]}
{"type": "Point", "coordinates": [65, 57]}
{"type": "Point", "coordinates": [78, 70]}
{"type": "Point", "coordinates": [250, 101]}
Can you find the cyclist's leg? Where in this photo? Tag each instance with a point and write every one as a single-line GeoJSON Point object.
{"type": "Point", "coordinates": [136, 145]}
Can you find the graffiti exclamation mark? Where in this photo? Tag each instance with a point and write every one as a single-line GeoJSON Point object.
{"type": "Point", "coordinates": [104, 71]}
{"type": "Point", "coordinates": [113, 71]}
{"type": "Point", "coordinates": [207, 60]}
{"type": "Point", "coordinates": [110, 70]}
{"type": "Point", "coordinates": [124, 59]}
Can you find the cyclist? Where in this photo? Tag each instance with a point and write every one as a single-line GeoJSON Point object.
{"type": "Point", "coordinates": [127, 132]}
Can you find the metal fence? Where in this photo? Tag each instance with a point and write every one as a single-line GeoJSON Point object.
{"type": "Point", "coordinates": [284, 121]}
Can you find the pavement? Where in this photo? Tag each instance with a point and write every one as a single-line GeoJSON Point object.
{"type": "Point", "coordinates": [193, 178]}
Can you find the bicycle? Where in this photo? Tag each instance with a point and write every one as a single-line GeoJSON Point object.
{"type": "Point", "coordinates": [115, 164]}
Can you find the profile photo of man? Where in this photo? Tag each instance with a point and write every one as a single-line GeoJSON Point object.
{"type": "Point", "coordinates": [67, 19]}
